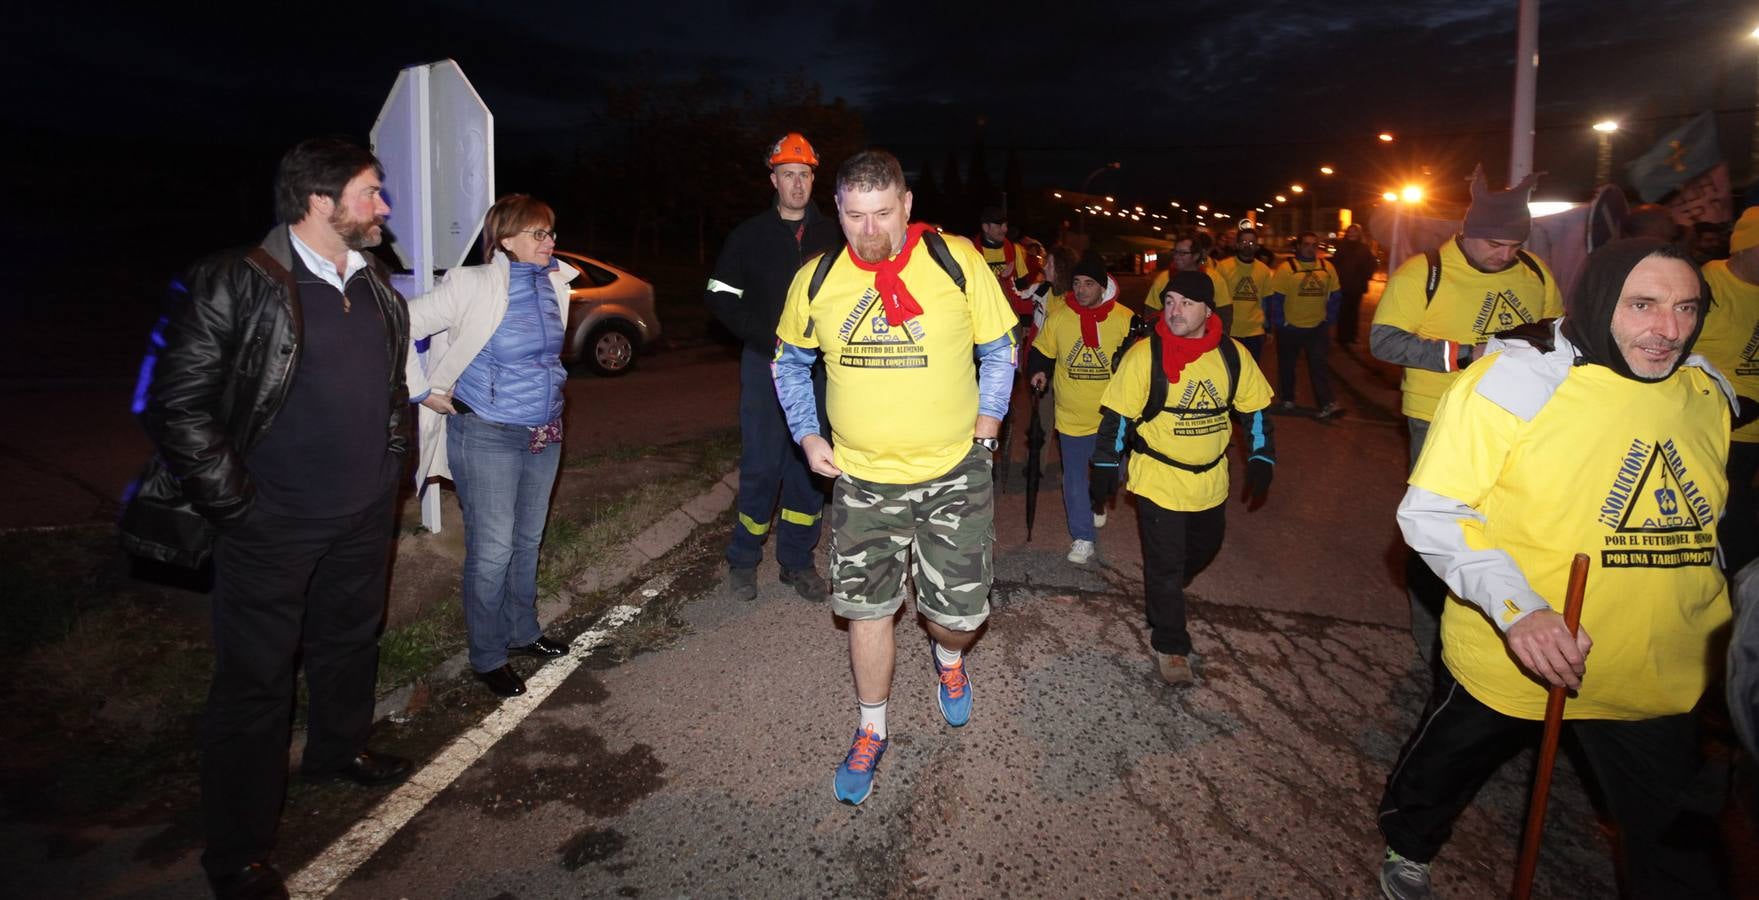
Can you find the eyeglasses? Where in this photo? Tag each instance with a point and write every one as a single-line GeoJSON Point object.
{"type": "Point", "coordinates": [540, 235]}
{"type": "Point", "coordinates": [1183, 252]}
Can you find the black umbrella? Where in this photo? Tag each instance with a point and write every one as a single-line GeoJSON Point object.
{"type": "Point", "coordinates": [1034, 443]}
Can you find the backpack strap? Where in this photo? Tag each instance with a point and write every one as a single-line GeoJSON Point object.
{"type": "Point", "coordinates": [826, 260]}
{"type": "Point", "coordinates": [943, 257]}
{"type": "Point", "coordinates": [1139, 445]}
{"type": "Point", "coordinates": [1157, 381]}
{"type": "Point", "coordinates": [1231, 359]}
{"type": "Point", "coordinates": [1433, 282]}
{"type": "Point", "coordinates": [1531, 263]}
{"type": "Point", "coordinates": [937, 248]}
{"type": "Point", "coordinates": [1157, 403]}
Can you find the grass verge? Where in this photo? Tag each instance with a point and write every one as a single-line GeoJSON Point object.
{"type": "Point", "coordinates": [118, 667]}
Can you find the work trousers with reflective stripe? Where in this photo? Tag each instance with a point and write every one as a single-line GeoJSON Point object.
{"type": "Point", "coordinates": [770, 463]}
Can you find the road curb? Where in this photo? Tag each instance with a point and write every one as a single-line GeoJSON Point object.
{"type": "Point", "coordinates": [653, 542]}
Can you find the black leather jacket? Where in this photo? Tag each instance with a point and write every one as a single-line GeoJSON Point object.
{"type": "Point", "coordinates": [230, 355]}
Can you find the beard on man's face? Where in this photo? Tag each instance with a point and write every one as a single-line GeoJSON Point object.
{"type": "Point", "coordinates": [872, 248]}
{"type": "Point", "coordinates": [357, 234]}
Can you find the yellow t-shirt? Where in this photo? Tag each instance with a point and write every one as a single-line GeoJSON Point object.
{"type": "Point", "coordinates": [1306, 287]}
{"type": "Point", "coordinates": [997, 260]}
{"type": "Point", "coordinates": [1731, 335]}
{"type": "Point", "coordinates": [1082, 372]}
{"type": "Point", "coordinates": [1469, 306]}
{"type": "Point", "coordinates": [1247, 284]}
{"type": "Point", "coordinates": [1222, 296]}
{"type": "Point", "coordinates": [902, 401]}
{"type": "Point", "coordinates": [1195, 437]}
{"type": "Point", "coordinates": [1627, 472]}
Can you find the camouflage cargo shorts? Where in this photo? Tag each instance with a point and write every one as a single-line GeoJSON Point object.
{"type": "Point", "coordinates": [950, 523]}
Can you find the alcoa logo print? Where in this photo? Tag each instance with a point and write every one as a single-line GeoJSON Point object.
{"type": "Point", "coordinates": [1658, 516]}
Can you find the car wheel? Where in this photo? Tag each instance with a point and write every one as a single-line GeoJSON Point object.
{"type": "Point", "coordinates": [610, 349]}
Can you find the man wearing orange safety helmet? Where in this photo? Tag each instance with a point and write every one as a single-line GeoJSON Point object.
{"type": "Point", "coordinates": [745, 293]}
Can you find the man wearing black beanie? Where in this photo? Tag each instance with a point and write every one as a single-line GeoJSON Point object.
{"type": "Point", "coordinates": [1170, 403]}
{"type": "Point", "coordinates": [1610, 442]}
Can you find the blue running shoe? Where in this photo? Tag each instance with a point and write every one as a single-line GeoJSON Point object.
{"type": "Point", "coordinates": [955, 692]}
{"type": "Point", "coordinates": [854, 778]}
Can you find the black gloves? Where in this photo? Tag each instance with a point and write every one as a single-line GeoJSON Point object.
{"type": "Point", "coordinates": [1258, 475]}
{"type": "Point", "coordinates": [1538, 334]}
{"type": "Point", "coordinates": [1749, 410]}
{"type": "Point", "coordinates": [1102, 483]}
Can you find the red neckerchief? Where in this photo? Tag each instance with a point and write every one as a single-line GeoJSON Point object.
{"type": "Point", "coordinates": [1176, 352]}
{"type": "Point", "coordinates": [1090, 319]}
{"type": "Point", "coordinates": [900, 306]}
{"type": "Point", "coordinates": [1022, 306]}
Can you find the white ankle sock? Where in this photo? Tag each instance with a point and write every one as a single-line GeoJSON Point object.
{"type": "Point", "coordinates": [947, 657]}
{"type": "Point", "coordinates": [872, 715]}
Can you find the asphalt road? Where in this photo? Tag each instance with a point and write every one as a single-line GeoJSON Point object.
{"type": "Point", "coordinates": [699, 763]}
{"type": "Point", "coordinates": [703, 769]}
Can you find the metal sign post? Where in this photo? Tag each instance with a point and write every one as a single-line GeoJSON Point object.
{"type": "Point", "coordinates": [436, 139]}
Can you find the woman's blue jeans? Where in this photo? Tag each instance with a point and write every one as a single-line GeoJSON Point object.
{"type": "Point", "coordinates": [504, 489]}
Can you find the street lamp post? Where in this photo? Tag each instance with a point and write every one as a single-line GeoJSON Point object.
{"type": "Point", "coordinates": [1753, 164]}
{"type": "Point", "coordinates": [1603, 159]}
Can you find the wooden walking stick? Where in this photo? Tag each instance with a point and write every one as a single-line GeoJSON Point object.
{"type": "Point", "coordinates": [1554, 721]}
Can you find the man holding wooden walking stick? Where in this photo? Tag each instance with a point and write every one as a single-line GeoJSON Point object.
{"type": "Point", "coordinates": [1598, 433]}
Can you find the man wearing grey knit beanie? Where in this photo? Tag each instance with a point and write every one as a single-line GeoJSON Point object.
{"type": "Point", "coordinates": [1438, 309]}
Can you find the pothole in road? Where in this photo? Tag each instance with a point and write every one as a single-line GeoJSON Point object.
{"type": "Point", "coordinates": [590, 845]}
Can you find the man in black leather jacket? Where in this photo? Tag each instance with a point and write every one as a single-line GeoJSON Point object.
{"type": "Point", "coordinates": [277, 404]}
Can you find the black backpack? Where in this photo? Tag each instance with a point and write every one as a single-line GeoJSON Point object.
{"type": "Point", "coordinates": [937, 248]}
{"type": "Point", "coordinates": [1157, 401]}
{"type": "Point", "coordinates": [1433, 282]}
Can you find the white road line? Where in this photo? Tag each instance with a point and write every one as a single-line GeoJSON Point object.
{"type": "Point", "coordinates": [324, 874]}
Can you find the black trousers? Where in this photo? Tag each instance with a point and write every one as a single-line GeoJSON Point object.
{"type": "Point", "coordinates": [1643, 768]}
{"type": "Point", "coordinates": [1738, 532]}
{"type": "Point", "coordinates": [287, 589]}
{"type": "Point", "coordinates": [1175, 547]}
{"type": "Point", "coordinates": [1349, 314]}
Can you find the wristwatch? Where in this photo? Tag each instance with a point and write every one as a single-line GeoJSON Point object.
{"type": "Point", "coordinates": [990, 444]}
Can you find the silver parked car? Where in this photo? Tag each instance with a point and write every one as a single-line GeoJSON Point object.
{"type": "Point", "coordinates": [610, 316]}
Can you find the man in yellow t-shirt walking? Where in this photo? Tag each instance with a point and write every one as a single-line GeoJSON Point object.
{"type": "Point", "coordinates": [1169, 403]}
{"type": "Point", "coordinates": [914, 412]}
{"type": "Point", "coordinates": [1079, 346]}
{"type": "Point", "coordinates": [1188, 256]}
{"type": "Point", "coordinates": [1433, 319]}
{"type": "Point", "coordinates": [1247, 280]}
{"type": "Point", "coordinates": [1731, 343]}
{"type": "Point", "coordinates": [1604, 437]}
{"type": "Point", "coordinates": [1303, 298]}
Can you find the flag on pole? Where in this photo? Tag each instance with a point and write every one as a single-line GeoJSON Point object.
{"type": "Point", "coordinates": [1681, 155]}
{"type": "Point", "coordinates": [1704, 198]}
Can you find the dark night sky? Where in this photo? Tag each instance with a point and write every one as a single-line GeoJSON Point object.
{"type": "Point", "coordinates": [1224, 101]}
